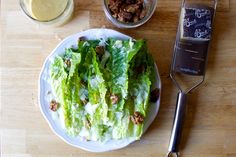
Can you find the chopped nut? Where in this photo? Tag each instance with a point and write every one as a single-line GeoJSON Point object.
{"type": "Point", "coordinates": [127, 10]}
{"type": "Point", "coordinates": [114, 99]}
{"type": "Point", "coordinates": [132, 119]}
{"type": "Point", "coordinates": [138, 12]}
{"type": "Point", "coordinates": [115, 15]}
{"type": "Point", "coordinates": [130, 1]}
{"type": "Point", "coordinates": [100, 50]}
{"type": "Point", "coordinates": [83, 38]}
{"type": "Point", "coordinates": [54, 105]}
{"type": "Point", "coordinates": [133, 97]}
{"type": "Point", "coordinates": [142, 14]}
{"type": "Point", "coordinates": [114, 8]}
{"type": "Point", "coordinates": [137, 118]}
{"type": "Point", "coordinates": [141, 119]}
{"type": "Point", "coordinates": [125, 15]}
{"type": "Point", "coordinates": [139, 69]}
{"type": "Point", "coordinates": [67, 62]}
{"type": "Point", "coordinates": [136, 113]}
{"type": "Point", "coordinates": [114, 5]}
{"type": "Point", "coordinates": [136, 19]}
{"type": "Point", "coordinates": [122, 8]}
{"type": "Point", "coordinates": [154, 95]}
{"type": "Point", "coordinates": [122, 19]}
{"type": "Point", "coordinates": [139, 2]}
{"type": "Point", "coordinates": [131, 8]}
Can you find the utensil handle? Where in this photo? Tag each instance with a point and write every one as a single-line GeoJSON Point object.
{"type": "Point", "coordinates": [178, 123]}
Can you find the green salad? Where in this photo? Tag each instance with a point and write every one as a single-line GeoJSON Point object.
{"type": "Point", "coordinates": [103, 88]}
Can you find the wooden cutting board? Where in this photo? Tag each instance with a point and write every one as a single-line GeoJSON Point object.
{"type": "Point", "coordinates": [210, 129]}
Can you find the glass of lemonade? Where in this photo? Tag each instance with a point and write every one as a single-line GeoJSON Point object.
{"type": "Point", "coordinates": [48, 12]}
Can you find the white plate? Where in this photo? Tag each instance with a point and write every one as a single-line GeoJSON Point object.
{"type": "Point", "coordinates": [52, 117]}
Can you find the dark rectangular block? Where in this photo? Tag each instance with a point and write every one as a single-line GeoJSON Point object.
{"type": "Point", "coordinates": [196, 22]}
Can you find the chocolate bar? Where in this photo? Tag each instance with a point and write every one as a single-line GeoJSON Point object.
{"type": "Point", "coordinates": [196, 22]}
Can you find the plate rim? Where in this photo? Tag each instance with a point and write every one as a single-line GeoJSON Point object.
{"type": "Point", "coordinates": [40, 103]}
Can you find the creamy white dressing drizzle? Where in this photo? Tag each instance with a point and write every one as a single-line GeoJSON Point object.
{"type": "Point", "coordinates": [84, 132]}
{"type": "Point", "coordinates": [90, 108]}
{"type": "Point", "coordinates": [105, 58]}
{"type": "Point", "coordinates": [131, 43]}
{"type": "Point", "coordinates": [86, 44]}
{"type": "Point", "coordinates": [118, 44]}
{"type": "Point", "coordinates": [95, 81]}
{"type": "Point", "coordinates": [83, 94]}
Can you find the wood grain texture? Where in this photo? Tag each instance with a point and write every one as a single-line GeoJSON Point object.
{"type": "Point", "coordinates": [210, 129]}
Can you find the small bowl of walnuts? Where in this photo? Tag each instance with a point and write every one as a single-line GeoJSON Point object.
{"type": "Point", "coordinates": [129, 13]}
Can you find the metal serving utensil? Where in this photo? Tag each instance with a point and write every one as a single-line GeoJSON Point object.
{"type": "Point", "coordinates": [189, 60]}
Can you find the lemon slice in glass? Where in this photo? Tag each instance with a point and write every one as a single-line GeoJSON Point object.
{"type": "Point", "coordinates": [46, 10]}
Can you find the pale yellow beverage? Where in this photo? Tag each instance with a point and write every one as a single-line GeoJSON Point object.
{"type": "Point", "coordinates": [50, 12]}
{"type": "Point", "coordinates": [45, 10]}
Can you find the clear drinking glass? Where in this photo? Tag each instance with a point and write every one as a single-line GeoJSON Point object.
{"type": "Point", "coordinates": [42, 12]}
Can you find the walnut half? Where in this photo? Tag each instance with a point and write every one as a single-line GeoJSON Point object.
{"type": "Point", "coordinates": [154, 95]}
{"type": "Point", "coordinates": [137, 118]}
{"type": "Point", "coordinates": [100, 50]}
{"type": "Point", "coordinates": [67, 62]}
{"type": "Point", "coordinates": [54, 105]}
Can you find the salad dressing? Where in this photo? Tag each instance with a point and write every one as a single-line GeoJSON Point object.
{"type": "Point", "coordinates": [46, 10]}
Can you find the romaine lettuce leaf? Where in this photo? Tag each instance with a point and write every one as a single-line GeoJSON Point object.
{"type": "Point", "coordinates": [58, 77]}
{"type": "Point", "coordinates": [66, 84]}
{"type": "Point", "coordinates": [141, 76]}
{"type": "Point", "coordinates": [121, 53]}
{"type": "Point", "coordinates": [97, 93]}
